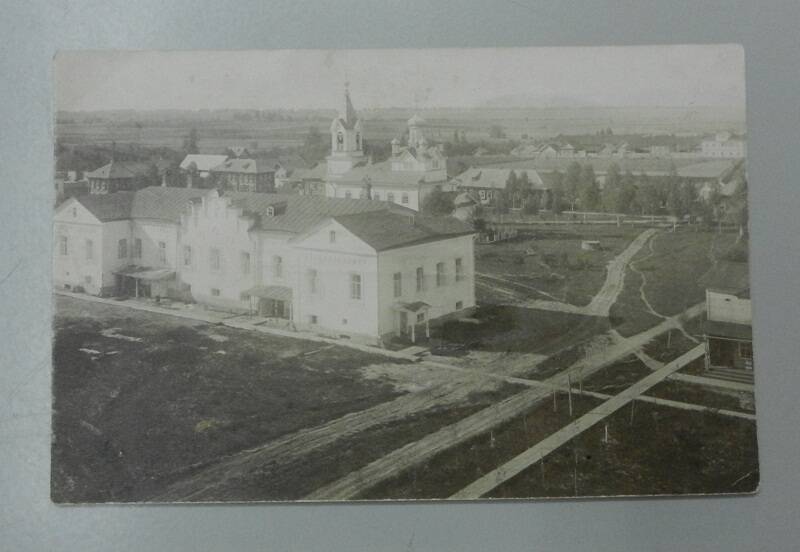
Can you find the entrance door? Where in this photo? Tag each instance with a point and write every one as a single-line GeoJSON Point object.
{"type": "Point", "coordinates": [403, 323]}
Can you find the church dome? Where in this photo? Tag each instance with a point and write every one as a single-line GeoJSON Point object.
{"type": "Point", "coordinates": [416, 120]}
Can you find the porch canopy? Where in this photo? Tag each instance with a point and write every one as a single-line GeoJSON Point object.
{"type": "Point", "coordinates": [728, 330]}
{"type": "Point", "coordinates": [414, 308]}
{"type": "Point", "coordinates": [276, 293]}
{"type": "Point", "coordinates": [146, 273]}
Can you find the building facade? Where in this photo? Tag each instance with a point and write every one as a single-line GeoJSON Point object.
{"type": "Point", "coordinates": [245, 175]}
{"type": "Point", "coordinates": [724, 144]}
{"type": "Point", "coordinates": [364, 269]}
{"type": "Point", "coordinates": [412, 172]}
{"type": "Point", "coordinates": [728, 331]}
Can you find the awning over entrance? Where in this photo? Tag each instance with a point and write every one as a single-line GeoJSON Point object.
{"type": "Point", "coordinates": [147, 273]}
{"type": "Point", "coordinates": [728, 330]}
{"type": "Point", "coordinates": [415, 307]}
{"type": "Point", "coordinates": [278, 293]}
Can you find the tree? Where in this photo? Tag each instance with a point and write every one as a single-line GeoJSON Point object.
{"type": "Point", "coordinates": [627, 194]}
{"type": "Point", "coordinates": [190, 142]}
{"type": "Point", "coordinates": [497, 131]}
{"type": "Point", "coordinates": [572, 182]}
{"type": "Point", "coordinates": [557, 193]}
{"type": "Point", "coordinates": [589, 190]}
{"type": "Point", "coordinates": [612, 188]}
{"type": "Point", "coordinates": [438, 203]}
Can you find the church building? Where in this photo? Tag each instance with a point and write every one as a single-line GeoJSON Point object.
{"type": "Point", "coordinates": [412, 172]}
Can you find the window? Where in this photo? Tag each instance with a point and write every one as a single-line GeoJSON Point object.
{"type": "Point", "coordinates": [87, 280]}
{"type": "Point", "coordinates": [358, 140]}
{"type": "Point", "coordinates": [214, 259]}
{"type": "Point", "coordinates": [187, 255]}
{"type": "Point", "coordinates": [459, 305]}
{"type": "Point", "coordinates": [74, 212]}
{"type": "Point", "coordinates": [313, 319]}
{"type": "Point", "coordinates": [137, 248]}
{"type": "Point", "coordinates": [420, 279]}
{"type": "Point", "coordinates": [62, 244]}
{"type": "Point", "coordinates": [122, 249]}
{"type": "Point", "coordinates": [398, 284]}
{"type": "Point", "coordinates": [332, 236]}
{"type": "Point", "coordinates": [482, 194]}
{"type": "Point", "coordinates": [746, 351]}
{"type": "Point", "coordinates": [439, 274]}
{"type": "Point", "coordinates": [355, 286]}
{"type": "Point", "coordinates": [348, 194]}
{"type": "Point", "coordinates": [162, 252]}
{"type": "Point", "coordinates": [245, 262]}
{"type": "Point", "coordinates": [89, 250]}
{"type": "Point", "coordinates": [390, 197]}
{"type": "Point", "coordinates": [376, 195]}
{"type": "Point", "coordinates": [404, 199]}
{"type": "Point", "coordinates": [277, 266]}
{"type": "Point", "coordinates": [215, 292]}
{"type": "Point", "coordinates": [339, 141]}
{"type": "Point", "coordinates": [312, 280]}
{"type": "Point", "coordinates": [420, 317]}
{"type": "Point", "coordinates": [459, 269]}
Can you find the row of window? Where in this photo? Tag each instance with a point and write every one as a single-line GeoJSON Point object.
{"type": "Point", "coordinates": [441, 277]}
{"type": "Point", "coordinates": [390, 197]}
{"type": "Point", "coordinates": [122, 249]}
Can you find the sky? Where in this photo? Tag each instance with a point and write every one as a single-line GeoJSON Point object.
{"type": "Point", "coordinates": [700, 75]}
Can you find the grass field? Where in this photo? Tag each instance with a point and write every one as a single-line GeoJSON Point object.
{"type": "Point", "coordinates": [664, 451]}
{"type": "Point", "coordinates": [673, 273]}
{"type": "Point", "coordinates": [548, 263]}
{"type": "Point", "coordinates": [501, 328]}
{"type": "Point", "coordinates": [452, 470]}
{"type": "Point", "coordinates": [140, 399]}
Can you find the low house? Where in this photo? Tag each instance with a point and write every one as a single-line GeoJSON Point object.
{"type": "Point", "coordinates": [724, 144]}
{"type": "Point", "coordinates": [485, 184]}
{"type": "Point", "coordinates": [199, 165]}
{"type": "Point", "coordinates": [728, 332]}
{"type": "Point", "coordinates": [245, 175]}
{"type": "Point", "coordinates": [115, 176]}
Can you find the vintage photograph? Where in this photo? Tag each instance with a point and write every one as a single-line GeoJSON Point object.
{"type": "Point", "coordinates": [307, 275]}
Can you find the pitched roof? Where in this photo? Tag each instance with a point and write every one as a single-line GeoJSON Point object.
{"type": "Point", "coordinates": [108, 207]}
{"type": "Point", "coordinates": [301, 212]}
{"type": "Point", "coordinates": [245, 165]}
{"type": "Point", "coordinates": [118, 169]}
{"type": "Point", "coordinates": [382, 173]}
{"type": "Point", "coordinates": [203, 162]}
{"type": "Point", "coordinates": [155, 203]}
{"type": "Point", "coordinates": [390, 230]}
{"type": "Point", "coordinates": [482, 177]}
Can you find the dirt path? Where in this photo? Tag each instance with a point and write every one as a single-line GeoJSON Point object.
{"type": "Point", "coordinates": [204, 484]}
{"type": "Point", "coordinates": [537, 452]}
{"type": "Point", "coordinates": [394, 463]}
{"type": "Point", "coordinates": [601, 303]}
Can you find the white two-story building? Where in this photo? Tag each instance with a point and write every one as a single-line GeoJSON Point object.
{"type": "Point", "coordinates": [365, 269]}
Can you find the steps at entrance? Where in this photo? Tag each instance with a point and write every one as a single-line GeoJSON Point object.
{"type": "Point", "coordinates": [729, 374]}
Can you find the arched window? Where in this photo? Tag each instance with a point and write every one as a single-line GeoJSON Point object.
{"type": "Point", "coordinates": [358, 141]}
{"type": "Point", "coordinates": [339, 141]}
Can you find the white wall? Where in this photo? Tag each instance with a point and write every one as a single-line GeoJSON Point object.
{"type": "Point", "coordinates": [151, 233]}
{"type": "Point", "coordinates": [336, 311]}
{"type": "Point", "coordinates": [75, 223]}
{"type": "Point", "coordinates": [214, 224]}
{"type": "Point", "coordinates": [443, 298]}
{"type": "Point", "coordinates": [726, 307]}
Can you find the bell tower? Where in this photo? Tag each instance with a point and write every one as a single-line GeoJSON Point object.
{"type": "Point", "coordinates": [347, 141]}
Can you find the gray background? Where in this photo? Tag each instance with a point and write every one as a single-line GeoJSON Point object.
{"type": "Point", "coordinates": [31, 32]}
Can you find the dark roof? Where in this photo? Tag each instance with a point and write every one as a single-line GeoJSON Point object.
{"type": "Point", "coordinates": [730, 330]}
{"type": "Point", "coordinates": [118, 169]}
{"type": "Point", "coordinates": [108, 207]}
{"type": "Point", "coordinates": [154, 202]}
{"type": "Point", "coordinates": [245, 165]}
{"type": "Point", "coordinates": [301, 212]}
{"type": "Point", "coordinates": [389, 230]}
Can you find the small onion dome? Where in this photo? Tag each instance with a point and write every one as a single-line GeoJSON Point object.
{"type": "Point", "coordinates": [416, 120]}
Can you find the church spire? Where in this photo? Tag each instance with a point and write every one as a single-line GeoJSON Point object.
{"type": "Point", "coordinates": [348, 114]}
